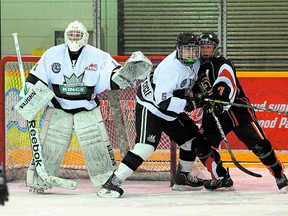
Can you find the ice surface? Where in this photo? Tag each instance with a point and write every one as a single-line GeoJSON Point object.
{"type": "Point", "coordinates": [253, 196]}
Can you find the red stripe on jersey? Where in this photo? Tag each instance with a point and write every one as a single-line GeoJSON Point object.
{"type": "Point", "coordinates": [256, 130]}
{"type": "Point", "coordinates": [226, 73]}
{"type": "Point", "coordinates": [249, 110]}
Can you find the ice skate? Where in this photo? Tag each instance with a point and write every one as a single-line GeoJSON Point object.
{"type": "Point", "coordinates": [111, 189]}
{"type": "Point", "coordinates": [184, 181]}
{"type": "Point", "coordinates": [282, 184]}
{"type": "Point", "coordinates": [226, 183]}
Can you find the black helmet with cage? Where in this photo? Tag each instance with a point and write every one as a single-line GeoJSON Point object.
{"type": "Point", "coordinates": [209, 38]}
{"type": "Point", "coordinates": [187, 48]}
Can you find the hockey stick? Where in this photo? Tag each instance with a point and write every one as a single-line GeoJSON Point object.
{"type": "Point", "coordinates": [37, 157]}
{"type": "Point", "coordinates": [247, 106]}
{"type": "Point", "coordinates": [236, 163]}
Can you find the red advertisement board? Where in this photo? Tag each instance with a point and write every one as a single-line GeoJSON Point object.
{"type": "Point", "coordinates": [267, 89]}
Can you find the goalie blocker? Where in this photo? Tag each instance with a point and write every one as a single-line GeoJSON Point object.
{"type": "Point", "coordinates": [34, 101]}
{"type": "Point", "coordinates": [137, 67]}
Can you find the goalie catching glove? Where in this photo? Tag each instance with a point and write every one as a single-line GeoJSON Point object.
{"type": "Point", "coordinates": [137, 67]}
{"type": "Point", "coordinates": [34, 101]}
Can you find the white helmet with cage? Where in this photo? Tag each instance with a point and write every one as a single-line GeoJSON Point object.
{"type": "Point", "coordinates": [76, 36]}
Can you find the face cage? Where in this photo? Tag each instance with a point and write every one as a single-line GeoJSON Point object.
{"type": "Point", "coordinates": [74, 35]}
{"type": "Point", "coordinates": [188, 54]}
{"type": "Point", "coordinates": [75, 40]}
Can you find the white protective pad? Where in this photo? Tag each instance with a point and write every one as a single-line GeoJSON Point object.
{"type": "Point", "coordinates": [93, 139]}
{"type": "Point", "coordinates": [54, 139]}
{"type": "Point", "coordinates": [137, 67]}
{"type": "Point", "coordinates": [34, 101]}
{"type": "Point", "coordinates": [33, 180]}
{"type": "Point", "coordinates": [56, 136]}
{"type": "Point", "coordinates": [143, 150]}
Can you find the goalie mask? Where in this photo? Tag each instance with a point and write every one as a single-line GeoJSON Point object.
{"type": "Point", "coordinates": [209, 45]}
{"type": "Point", "coordinates": [76, 36]}
{"type": "Point", "coordinates": [187, 48]}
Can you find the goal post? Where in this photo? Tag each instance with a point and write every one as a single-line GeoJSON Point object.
{"type": "Point", "coordinates": [15, 148]}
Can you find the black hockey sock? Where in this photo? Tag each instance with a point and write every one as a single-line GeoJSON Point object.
{"type": "Point", "coordinates": [273, 163]}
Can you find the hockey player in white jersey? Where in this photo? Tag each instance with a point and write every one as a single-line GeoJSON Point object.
{"type": "Point", "coordinates": [76, 72]}
{"type": "Point", "coordinates": [161, 102]}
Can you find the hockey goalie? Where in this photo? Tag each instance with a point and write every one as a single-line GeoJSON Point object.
{"type": "Point", "coordinates": [68, 77]}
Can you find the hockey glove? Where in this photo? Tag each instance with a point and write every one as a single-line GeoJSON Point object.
{"type": "Point", "coordinates": [210, 107]}
{"type": "Point", "coordinates": [199, 99]}
{"type": "Point", "coordinates": [190, 104]}
{"type": "Point", "coordinates": [3, 189]}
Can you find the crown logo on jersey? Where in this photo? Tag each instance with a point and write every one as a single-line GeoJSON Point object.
{"type": "Point", "coordinates": [151, 138]}
{"type": "Point", "coordinates": [73, 79]}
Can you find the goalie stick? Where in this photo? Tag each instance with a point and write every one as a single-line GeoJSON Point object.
{"type": "Point", "coordinates": [37, 157]}
{"type": "Point", "coordinates": [247, 106]}
{"type": "Point", "coordinates": [237, 164]}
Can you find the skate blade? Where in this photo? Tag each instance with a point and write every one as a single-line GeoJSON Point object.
{"type": "Point", "coordinates": [284, 190]}
{"type": "Point", "coordinates": [177, 187]}
{"type": "Point", "coordinates": [222, 189]}
{"type": "Point", "coordinates": [108, 193]}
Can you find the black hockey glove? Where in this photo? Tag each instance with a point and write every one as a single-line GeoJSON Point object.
{"type": "Point", "coordinates": [199, 99]}
{"type": "Point", "coordinates": [190, 104]}
{"type": "Point", "coordinates": [3, 189]}
{"type": "Point", "coordinates": [210, 107]}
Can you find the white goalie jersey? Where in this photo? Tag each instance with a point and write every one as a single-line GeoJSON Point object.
{"type": "Point", "coordinates": [160, 87]}
{"type": "Point", "coordinates": [75, 84]}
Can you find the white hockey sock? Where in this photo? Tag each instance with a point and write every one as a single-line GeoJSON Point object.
{"type": "Point", "coordinates": [123, 172]}
{"type": "Point", "coordinates": [186, 166]}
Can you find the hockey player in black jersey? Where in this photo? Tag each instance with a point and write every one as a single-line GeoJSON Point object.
{"type": "Point", "coordinates": [217, 80]}
{"type": "Point", "coordinates": [160, 108]}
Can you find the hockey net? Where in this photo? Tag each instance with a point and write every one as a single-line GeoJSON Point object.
{"type": "Point", "coordinates": [117, 109]}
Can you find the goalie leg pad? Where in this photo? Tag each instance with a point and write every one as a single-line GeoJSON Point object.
{"type": "Point", "coordinates": [55, 136]}
{"type": "Point", "coordinates": [93, 139]}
